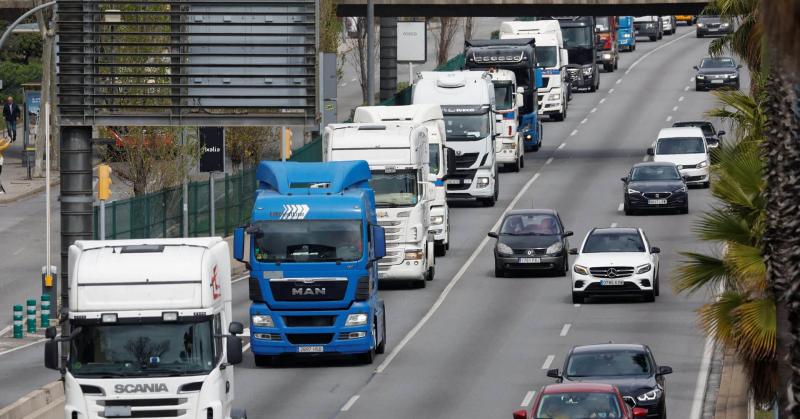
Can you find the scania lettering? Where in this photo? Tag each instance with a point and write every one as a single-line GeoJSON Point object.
{"type": "Point", "coordinates": [397, 154]}
{"type": "Point", "coordinates": [551, 57]}
{"type": "Point", "coordinates": [467, 101]}
{"type": "Point", "coordinates": [441, 158]}
{"type": "Point", "coordinates": [150, 330]}
{"type": "Point", "coordinates": [313, 278]}
{"type": "Point", "coordinates": [508, 144]}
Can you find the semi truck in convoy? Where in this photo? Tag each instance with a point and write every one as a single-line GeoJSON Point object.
{"type": "Point", "coordinates": [397, 155]}
{"type": "Point", "coordinates": [313, 250]}
{"type": "Point", "coordinates": [607, 49]}
{"type": "Point", "coordinates": [551, 56]}
{"type": "Point", "coordinates": [468, 104]}
{"type": "Point", "coordinates": [151, 330]}
{"type": "Point", "coordinates": [441, 158]}
{"type": "Point", "coordinates": [626, 34]}
{"type": "Point", "coordinates": [508, 144]}
{"type": "Point", "coordinates": [519, 56]}
{"type": "Point", "coordinates": [579, 40]}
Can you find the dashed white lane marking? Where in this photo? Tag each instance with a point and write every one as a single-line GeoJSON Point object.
{"type": "Point", "coordinates": [611, 90]}
{"type": "Point", "coordinates": [572, 134]}
{"type": "Point", "coordinates": [449, 288]}
{"type": "Point", "coordinates": [562, 146]}
{"type": "Point", "coordinates": [549, 160]}
{"type": "Point", "coordinates": [527, 400]}
{"type": "Point", "coordinates": [593, 110]}
{"type": "Point", "coordinates": [27, 345]}
{"type": "Point", "coordinates": [353, 79]}
{"type": "Point", "coordinates": [602, 100]}
{"type": "Point", "coordinates": [584, 121]}
{"type": "Point", "coordinates": [619, 81]}
{"type": "Point", "coordinates": [350, 403]}
{"type": "Point", "coordinates": [18, 251]}
{"type": "Point", "coordinates": [565, 329]}
{"type": "Point", "coordinates": [344, 84]}
{"type": "Point", "coordinates": [674, 108]}
{"type": "Point", "coordinates": [621, 206]}
{"type": "Point", "coordinates": [548, 361]}
{"type": "Point", "coordinates": [577, 305]}
{"type": "Point", "coordinates": [613, 225]}
{"type": "Point", "coordinates": [669, 118]}
{"type": "Point", "coordinates": [686, 89]}
{"type": "Point", "coordinates": [680, 99]}
{"type": "Point", "coordinates": [691, 79]}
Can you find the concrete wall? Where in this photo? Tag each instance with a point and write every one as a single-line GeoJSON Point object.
{"type": "Point", "coordinates": [44, 403]}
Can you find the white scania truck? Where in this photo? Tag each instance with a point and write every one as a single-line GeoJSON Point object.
{"type": "Point", "coordinates": [551, 57]}
{"type": "Point", "coordinates": [397, 155]}
{"type": "Point", "coordinates": [441, 159]}
{"type": "Point", "coordinates": [468, 104]}
{"type": "Point", "coordinates": [151, 334]}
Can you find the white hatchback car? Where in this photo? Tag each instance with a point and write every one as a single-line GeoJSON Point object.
{"type": "Point", "coordinates": [686, 147]}
{"type": "Point", "coordinates": [615, 262]}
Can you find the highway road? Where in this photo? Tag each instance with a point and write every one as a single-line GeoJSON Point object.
{"type": "Point", "coordinates": [474, 346]}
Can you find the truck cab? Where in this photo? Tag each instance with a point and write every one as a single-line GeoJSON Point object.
{"type": "Point", "coordinates": [579, 40]}
{"type": "Point", "coordinates": [398, 157]}
{"type": "Point", "coordinates": [441, 158]}
{"type": "Point", "coordinates": [468, 105]}
{"type": "Point", "coordinates": [508, 144]}
{"type": "Point", "coordinates": [313, 249]}
{"type": "Point", "coordinates": [626, 34]}
{"type": "Point", "coordinates": [607, 50]}
{"type": "Point", "coordinates": [151, 330]}
{"type": "Point", "coordinates": [551, 57]}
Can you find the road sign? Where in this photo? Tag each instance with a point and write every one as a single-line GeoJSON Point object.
{"type": "Point", "coordinates": [212, 144]}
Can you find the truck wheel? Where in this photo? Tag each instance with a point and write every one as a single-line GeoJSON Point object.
{"type": "Point", "coordinates": [558, 116]}
{"type": "Point", "coordinates": [649, 297]}
{"type": "Point", "coordinates": [381, 348]}
{"type": "Point", "coordinates": [431, 274]}
{"type": "Point", "coordinates": [238, 414]}
{"type": "Point", "coordinates": [369, 356]}
{"type": "Point", "coordinates": [521, 161]}
{"type": "Point", "coordinates": [517, 165]}
{"type": "Point", "coordinates": [264, 360]}
{"type": "Point", "coordinates": [616, 63]}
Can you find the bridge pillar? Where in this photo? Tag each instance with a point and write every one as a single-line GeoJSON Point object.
{"type": "Point", "coordinates": [388, 57]}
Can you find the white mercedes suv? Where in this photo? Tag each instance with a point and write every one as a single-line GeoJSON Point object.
{"type": "Point", "coordinates": [615, 262]}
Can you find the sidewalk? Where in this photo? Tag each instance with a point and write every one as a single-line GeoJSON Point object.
{"type": "Point", "coordinates": [15, 176]}
{"type": "Point", "coordinates": [732, 399]}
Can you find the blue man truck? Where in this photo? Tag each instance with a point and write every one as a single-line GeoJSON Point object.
{"type": "Point", "coordinates": [626, 34]}
{"type": "Point", "coordinates": [314, 246]}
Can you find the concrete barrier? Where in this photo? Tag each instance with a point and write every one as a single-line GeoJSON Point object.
{"type": "Point", "coordinates": [43, 403]}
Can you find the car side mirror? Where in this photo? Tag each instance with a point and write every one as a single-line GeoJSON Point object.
{"type": "Point", "coordinates": [573, 251]}
{"type": "Point", "coordinates": [233, 347]}
{"type": "Point", "coordinates": [51, 358]}
{"type": "Point", "coordinates": [738, 66]}
{"type": "Point", "coordinates": [630, 401]}
{"type": "Point", "coordinates": [521, 414]}
{"type": "Point", "coordinates": [553, 373]}
{"type": "Point", "coordinates": [624, 178]}
{"type": "Point", "coordinates": [235, 328]}
{"type": "Point", "coordinates": [664, 370]}
{"type": "Point", "coordinates": [655, 249]}
{"type": "Point", "coordinates": [695, 67]}
{"type": "Point", "coordinates": [720, 133]}
{"type": "Point", "coordinates": [651, 151]}
{"type": "Point", "coordinates": [567, 234]}
{"type": "Point", "coordinates": [685, 178]}
{"type": "Point", "coordinates": [639, 412]}
{"type": "Point", "coordinates": [493, 234]}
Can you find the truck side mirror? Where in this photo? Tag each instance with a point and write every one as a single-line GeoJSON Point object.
{"type": "Point", "coordinates": [378, 241]}
{"type": "Point", "coordinates": [451, 161]}
{"type": "Point", "coordinates": [235, 328]}
{"type": "Point", "coordinates": [51, 332]}
{"type": "Point", "coordinates": [51, 358]}
{"type": "Point", "coordinates": [539, 79]}
{"type": "Point", "coordinates": [520, 100]}
{"type": "Point", "coordinates": [233, 346]}
{"type": "Point", "coordinates": [651, 151]}
{"type": "Point", "coordinates": [238, 244]}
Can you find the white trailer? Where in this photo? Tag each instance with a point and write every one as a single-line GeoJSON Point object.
{"type": "Point", "coordinates": [151, 330]}
{"type": "Point", "coordinates": [508, 143]}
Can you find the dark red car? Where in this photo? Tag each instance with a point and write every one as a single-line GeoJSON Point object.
{"type": "Point", "coordinates": [580, 401]}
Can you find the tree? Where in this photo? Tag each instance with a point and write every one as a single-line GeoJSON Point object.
{"type": "Point", "coordinates": [746, 39]}
{"type": "Point", "coordinates": [444, 35]}
{"type": "Point", "coordinates": [246, 146]}
{"type": "Point", "coordinates": [359, 56]}
{"type": "Point", "coordinates": [468, 22]}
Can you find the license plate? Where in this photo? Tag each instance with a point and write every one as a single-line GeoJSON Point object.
{"type": "Point", "coordinates": [117, 412]}
{"type": "Point", "coordinates": [310, 349]}
{"type": "Point", "coordinates": [530, 260]}
{"type": "Point", "coordinates": [606, 282]}
{"type": "Point", "coordinates": [713, 29]}
{"type": "Point", "coordinates": [657, 201]}
{"type": "Point", "coordinates": [453, 181]}
{"type": "Point", "coordinates": [718, 81]}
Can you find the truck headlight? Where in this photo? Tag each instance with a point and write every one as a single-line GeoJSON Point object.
{"type": "Point", "coordinates": [483, 182]}
{"type": "Point", "coordinates": [413, 255]}
{"type": "Point", "coordinates": [554, 96]}
{"type": "Point", "coordinates": [643, 268]}
{"type": "Point", "coordinates": [606, 56]}
{"type": "Point", "coordinates": [587, 71]}
{"type": "Point", "coordinates": [437, 219]}
{"type": "Point", "coordinates": [554, 248]}
{"type": "Point", "coordinates": [578, 269]}
{"type": "Point", "coordinates": [262, 320]}
{"type": "Point", "coordinates": [702, 164]}
{"type": "Point", "coordinates": [356, 319]}
{"type": "Point", "coordinates": [504, 249]}
{"type": "Point", "coordinates": [626, 35]}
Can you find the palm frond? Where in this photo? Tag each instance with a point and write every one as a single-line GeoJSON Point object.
{"type": "Point", "coordinates": [720, 225]}
{"type": "Point", "coordinates": [747, 265]}
{"type": "Point", "coordinates": [718, 318]}
{"type": "Point", "coordinates": [756, 328]}
{"type": "Point", "coordinates": [698, 271]}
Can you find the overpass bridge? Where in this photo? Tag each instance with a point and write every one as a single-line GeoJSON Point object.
{"type": "Point", "coordinates": [514, 8]}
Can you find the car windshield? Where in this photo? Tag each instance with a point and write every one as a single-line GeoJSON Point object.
{"type": "Point", "coordinates": [709, 19]}
{"type": "Point", "coordinates": [600, 242]}
{"type": "Point", "coordinates": [503, 95]}
{"type": "Point", "coordinates": [645, 173]}
{"type": "Point", "coordinates": [546, 57]}
{"type": "Point", "coordinates": [717, 63]}
{"type": "Point", "coordinates": [433, 158]}
{"type": "Point", "coordinates": [578, 406]}
{"type": "Point", "coordinates": [466, 127]}
{"type": "Point", "coordinates": [309, 241]}
{"type": "Point", "coordinates": [679, 145]}
{"type": "Point", "coordinates": [580, 36]}
{"type": "Point", "coordinates": [707, 127]}
{"type": "Point", "coordinates": [530, 225]}
{"type": "Point", "coordinates": [398, 189]}
{"type": "Point", "coordinates": [143, 349]}
{"type": "Point", "coordinates": [609, 364]}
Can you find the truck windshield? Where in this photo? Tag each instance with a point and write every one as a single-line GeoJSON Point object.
{"type": "Point", "coordinates": [504, 95]}
{"type": "Point", "coordinates": [397, 189]}
{"type": "Point", "coordinates": [121, 350]}
{"type": "Point", "coordinates": [546, 57]}
{"type": "Point", "coordinates": [601, 23]}
{"type": "Point", "coordinates": [309, 241]}
{"type": "Point", "coordinates": [466, 127]}
{"type": "Point", "coordinates": [433, 156]}
{"type": "Point", "coordinates": [577, 37]}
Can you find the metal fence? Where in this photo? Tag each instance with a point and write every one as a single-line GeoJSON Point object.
{"type": "Point", "coordinates": [160, 214]}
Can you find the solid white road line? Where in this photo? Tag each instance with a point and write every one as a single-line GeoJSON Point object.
{"type": "Point", "coordinates": [593, 110]}
{"type": "Point", "coordinates": [602, 100]}
{"type": "Point", "coordinates": [18, 251]}
{"type": "Point", "coordinates": [613, 225]}
{"type": "Point", "coordinates": [449, 288]}
{"type": "Point", "coordinates": [27, 345]}
{"type": "Point", "coordinates": [527, 400]}
{"type": "Point", "coordinates": [241, 278]}
{"type": "Point", "coordinates": [577, 305]}
{"type": "Point", "coordinates": [4, 330]}
{"type": "Point", "coordinates": [572, 134]}
{"type": "Point", "coordinates": [674, 108]}
{"type": "Point", "coordinates": [548, 361]}
{"type": "Point", "coordinates": [350, 403]}
{"type": "Point", "coordinates": [635, 63]}
{"type": "Point", "coordinates": [702, 380]}
{"type": "Point", "coordinates": [562, 146]}
{"type": "Point", "coordinates": [584, 121]}
{"type": "Point", "coordinates": [680, 99]}
{"type": "Point", "coordinates": [549, 160]}
{"type": "Point", "coordinates": [621, 206]}
{"type": "Point", "coordinates": [565, 329]}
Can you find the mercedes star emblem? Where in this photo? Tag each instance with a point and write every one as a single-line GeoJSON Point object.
{"type": "Point", "coordinates": [611, 272]}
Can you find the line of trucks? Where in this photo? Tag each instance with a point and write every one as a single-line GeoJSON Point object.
{"type": "Point", "coordinates": [151, 329]}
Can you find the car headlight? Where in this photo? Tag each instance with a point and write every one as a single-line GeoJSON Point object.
{"type": "Point", "coordinates": [700, 77]}
{"type": "Point", "coordinates": [725, 25]}
{"type": "Point", "coordinates": [733, 76]}
{"type": "Point", "coordinates": [650, 395]}
{"type": "Point", "coordinates": [554, 96]}
{"type": "Point", "coordinates": [681, 189]}
{"type": "Point", "coordinates": [356, 319]}
{"type": "Point", "coordinates": [262, 320]}
{"type": "Point", "coordinates": [632, 191]}
{"type": "Point", "coordinates": [702, 164]}
{"type": "Point", "coordinates": [606, 56]}
{"type": "Point", "coordinates": [700, 25]}
{"type": "Point", "coordinates": [437, 219]}
{"type": "Point", "coordinates": [504, 249]}
{"type": "Point", "coordinates": [413, 255]}
{"type": "Point", "coordinates": [554, 248]}
{"type": "Point", "coordinates": [483, 182]}
{"type": "Point", "coordinates": [578, 269]}
{"type": "Point", "coordinates": [587, 71]}
{"type": "Point", "coordinates": [528, 137]}
{"type": "Point", "coordinates": [644, 268]}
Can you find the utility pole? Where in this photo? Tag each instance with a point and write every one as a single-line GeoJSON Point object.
{"type": "Point", "coordinates": [370, 52]}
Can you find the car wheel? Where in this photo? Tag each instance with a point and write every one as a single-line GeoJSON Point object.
{"type": "Point", "coordinates": [561, 270]}
{"type": "Point", "coordinates": [608, 68]}
{"type": "Point", "coordinates": [499, 272]}
{"type": "Point", "coordinates": [517, 165]}
{"type": "Point", "coordinates": [264, 360]}
{"type": "Point", "coordinates": [685, 209]}
{"type": "Point", "coordinates": [577, 298]}
{"type": "Point", "coordinates": [382, 346]}
{"type": "Point", "coordinates": [706, 185]}
{"type": "Point", "coordinates": [627, 210]}
{"type": "Point", "coordinates": [657, 284]}
{"type": "Point", "coordinates": [649, 296]}
{"type": "Point", "coordinates": [698, 88]}
{"type": "Point", "coordinates": [699, 35]}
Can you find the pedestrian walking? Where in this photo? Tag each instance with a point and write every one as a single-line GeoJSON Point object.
{"type": "Point", "coordinates": [11, 115]}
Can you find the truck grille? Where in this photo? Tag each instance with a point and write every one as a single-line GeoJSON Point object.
{"type": "Point", "coordinates": [320, 290]}
{"type": "Point", "coordinates": [309, 338]}
{"type": "Point", "coordinates": [146, 405]}
{"type": "Point", "coordinates": [461, 175]}
{"type": "Point", "coordinates": [611, 271]}
{"type": "Point", "coordinates": [466, 160]}
{"type": "Point", "coordinates": [309, 321]}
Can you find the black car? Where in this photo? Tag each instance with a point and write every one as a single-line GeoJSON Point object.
{"type": "Point", "coordinates": [531, 240]}
{"type": "Point", "coordinates": [654, 186]}
{"type": "Point", "coordinates": [713, 137]}
{"type": "Point", "coordinates": [650, 26]}
{"type": "Point", "coordinates": [713, 25]}
{"type": "Point", "coordinates": [714, 72]}
{"type": "Point", "coordinates": [630, 367]}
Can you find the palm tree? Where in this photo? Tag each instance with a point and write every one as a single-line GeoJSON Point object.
{"type": "Point", "coordinates": [745, 41]}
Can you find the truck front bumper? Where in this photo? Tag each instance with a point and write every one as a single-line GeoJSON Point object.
{"type": "Point", "coordinates": [507, 151]}
{"type": "Point", "coordinates": [439, 230]}
{"type": "Point", "coordinates": [468, 187]}
{"type": "Point", "coordinates": [403, 271]}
